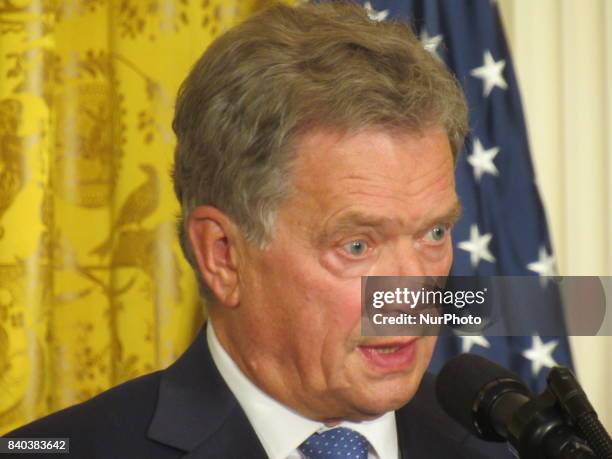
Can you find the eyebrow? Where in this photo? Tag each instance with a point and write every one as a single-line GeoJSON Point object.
{"type": "Point", "coordinates": [453, 215]}
{"type": "Point", "coordinates": [355, 219]}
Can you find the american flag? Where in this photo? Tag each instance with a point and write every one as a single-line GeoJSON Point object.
{"type": "Point", "coordinates": [503, 230]}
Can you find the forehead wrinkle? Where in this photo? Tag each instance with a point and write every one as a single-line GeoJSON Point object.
{"type": "Point", "coordinates": [398, 191]}
{"type": "Point", "coordinates": [375, 186]}
{"type": "Point", "coordinates": [412, 185]}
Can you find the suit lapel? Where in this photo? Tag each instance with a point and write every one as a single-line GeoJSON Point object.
{"type": "Point", "coordinates": [235, 439]}
{"type": "Point", "coordinates": [197, 413]}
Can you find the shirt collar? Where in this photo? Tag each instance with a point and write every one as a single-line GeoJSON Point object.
{"type": "Point", "coordinates": [269, 417]}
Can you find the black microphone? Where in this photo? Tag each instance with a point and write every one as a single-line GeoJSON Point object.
{"type": "Point", "coordinates": [480, 395]}
{"type": "Point", "coordinates": [492, 403]}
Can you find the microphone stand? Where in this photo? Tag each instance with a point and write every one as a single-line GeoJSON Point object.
{"type": "Point", "coordinates": [559, 424]}
{"type": "Point", "coordinates": [574, 402]}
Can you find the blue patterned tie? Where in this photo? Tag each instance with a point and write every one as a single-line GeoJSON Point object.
{"type": "Point", "coordinates": [335, 443]}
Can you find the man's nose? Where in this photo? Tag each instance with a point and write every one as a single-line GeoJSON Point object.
{"type": "Point", "coordinates": [407, 261]}
{"type": "Point", "coordinates": [411, 266]}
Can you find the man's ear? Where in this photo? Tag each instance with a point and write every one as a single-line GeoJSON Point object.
{"type": "Point", "coordinates": [213, 238]}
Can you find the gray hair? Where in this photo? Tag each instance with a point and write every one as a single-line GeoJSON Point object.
{"type": "Point", "coordinates": [285, 70]}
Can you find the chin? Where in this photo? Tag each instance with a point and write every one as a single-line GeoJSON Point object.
{"type": "Point", "coordinates": [386, 397]}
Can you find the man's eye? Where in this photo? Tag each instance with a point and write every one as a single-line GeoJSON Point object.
{"type": "Point", "coordinates": [436, 234]}
{"type": "Point", "coordinates": [356, 248]}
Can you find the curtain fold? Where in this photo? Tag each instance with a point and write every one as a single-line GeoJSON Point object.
{"type": "Point", "coordinates": [93, 287]}
{"type": "Point", "coordinates": [563, 57]}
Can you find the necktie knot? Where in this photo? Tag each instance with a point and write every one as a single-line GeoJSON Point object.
{"type": "Point", "coordinates": [340, 442]}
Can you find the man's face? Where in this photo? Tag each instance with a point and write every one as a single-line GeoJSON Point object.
{"type": "Point", "coordinates": [366, 204]}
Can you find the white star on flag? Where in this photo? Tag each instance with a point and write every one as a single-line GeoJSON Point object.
{"type": "Point", "coordinates": [430, 43]}
{"type": "Point", "coordinates": [375, 15]}
{"type": "Point", "coordinates": [481, 160]}
{"type": "Point", "coordinates": [491, 73]}
{"type": "Point", "coordinates": [478, 246]}
{"type": "Point", "coordinates": [468, 341]}
{"type": "Point", "coordinates": [540, 354]}
{"type": "Point", "coordinates": [545, 266]}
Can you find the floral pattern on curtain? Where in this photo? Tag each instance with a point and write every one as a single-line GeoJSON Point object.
{"type": "Point", "coordinates": [93, 287]}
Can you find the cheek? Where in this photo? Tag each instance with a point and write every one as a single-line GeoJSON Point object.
{"type": "Point", "coordinates": [429, 343]}
{"type": "Point", "coordinates": [307, 298]}
{"type": "Point", "coordinates": [333, 305]}
{"type": "Point", "coordinates": [333, 328]}
{"type": "Point", "coordinates": [345, 304]}
{"type": "Point", "coordinates": [329, 297]}
{"type": "Point", "coordinates": [447, 261]}
{"type": "Point", "coordinates": [438, 261]}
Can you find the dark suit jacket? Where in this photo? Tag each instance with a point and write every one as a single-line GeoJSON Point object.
{"type": "Point", "coordinates": [187, 411]}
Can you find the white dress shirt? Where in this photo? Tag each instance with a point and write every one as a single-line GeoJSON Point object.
{"type": "Point", "coordinates": [280, 429]}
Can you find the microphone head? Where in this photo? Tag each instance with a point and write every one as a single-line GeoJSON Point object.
{"type": "Point", "coordinates": [467, 387]}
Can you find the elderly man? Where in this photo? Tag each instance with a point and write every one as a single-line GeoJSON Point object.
{"type": "Point", "coordinates": [315, 146]}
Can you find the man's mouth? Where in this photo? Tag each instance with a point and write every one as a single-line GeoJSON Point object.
{"type": "Point", "coordinates": [386, 350]}
{"type": "Point", "coordinates": [390, 356]}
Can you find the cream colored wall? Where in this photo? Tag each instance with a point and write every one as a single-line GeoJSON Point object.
{"type": "Point", "coordinates": [562, 52]}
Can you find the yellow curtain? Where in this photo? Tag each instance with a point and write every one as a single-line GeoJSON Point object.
{"type": "Point", "coordinates": [93, 287]}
